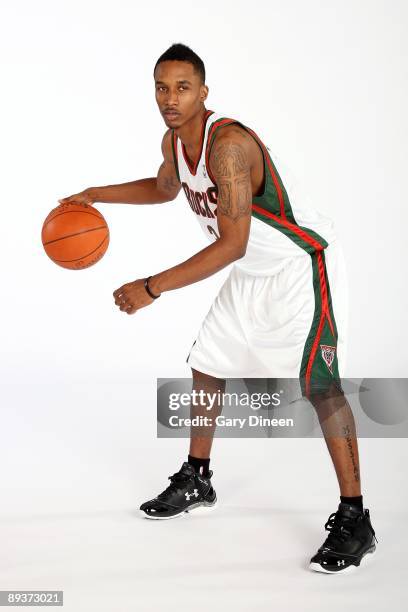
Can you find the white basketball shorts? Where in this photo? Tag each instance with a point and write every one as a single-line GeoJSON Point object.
{"type": "Point", "coordinates": [290, 325]}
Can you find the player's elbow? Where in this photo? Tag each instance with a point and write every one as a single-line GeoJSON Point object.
{"type": "Point", "coordinates": [234, 250]}
{"type": "Point", "coordinates": [240, 244]}
{"type": "Point", "coordinates": [241, 250]}
{"type": "Point", "coordinates": [166, 197]}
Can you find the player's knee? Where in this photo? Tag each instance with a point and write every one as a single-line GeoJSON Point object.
{"type": "Point", "coordinates": [332, 395]}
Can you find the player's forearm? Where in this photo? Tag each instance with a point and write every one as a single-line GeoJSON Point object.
{"type": "Point", "coordinates": [142, 191]}
{"type": "Point", "coordinates": [202, 265]}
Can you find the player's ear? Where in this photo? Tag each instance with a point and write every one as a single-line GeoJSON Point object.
{"type": "Point", "coordinates": [204, 93]}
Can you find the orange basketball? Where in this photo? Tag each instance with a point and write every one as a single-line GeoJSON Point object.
{"type": "Point", "coordinates": [75, 236]}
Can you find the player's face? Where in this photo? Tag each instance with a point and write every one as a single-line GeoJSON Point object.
{"type": "Point", "coordinates": [179, 92]}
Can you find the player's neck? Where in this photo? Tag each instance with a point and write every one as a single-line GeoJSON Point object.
{"type": "Point", "coordinates": [190, 132]}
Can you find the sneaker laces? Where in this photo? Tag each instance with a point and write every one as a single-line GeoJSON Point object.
{"type": "Point", "coordinates": [177, 480]}
{"type": "Point", "coordinates": [341, 527]}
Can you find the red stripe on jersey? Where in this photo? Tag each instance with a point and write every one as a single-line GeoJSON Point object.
{"type": "Point", "coordinates": [291, 226]}
{"type": "Point", "coordinates": [324, 313]}
{"type": "Point", "coordinates": [273, 175]}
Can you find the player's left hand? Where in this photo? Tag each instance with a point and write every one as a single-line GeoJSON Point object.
{"type": "Point", "coordinates": [132, 296]}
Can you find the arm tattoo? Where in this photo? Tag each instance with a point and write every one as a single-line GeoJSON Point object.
{"type": "Point", "coordinates": [231, 171]}
{"type": "Point", "coordinates": [167, 183]}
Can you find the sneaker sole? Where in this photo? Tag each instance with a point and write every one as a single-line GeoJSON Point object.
{"type": "Point", "coordinates": [316, 567]}
{"type": "Point", "coordinates": [199, 506]}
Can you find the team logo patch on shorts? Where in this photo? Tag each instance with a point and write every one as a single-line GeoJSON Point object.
{"type": "Point", "coordinates": [328, 353]}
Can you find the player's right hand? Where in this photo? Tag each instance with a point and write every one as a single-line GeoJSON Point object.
{"type": "Point", "coordinates": [83, 197]}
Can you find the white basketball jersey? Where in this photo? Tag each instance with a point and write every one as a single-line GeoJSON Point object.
{"type": "Point", "coordinates": [283, 224]}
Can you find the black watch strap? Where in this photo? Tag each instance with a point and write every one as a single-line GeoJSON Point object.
{"type": "Point", "coordinates": [146, 285]}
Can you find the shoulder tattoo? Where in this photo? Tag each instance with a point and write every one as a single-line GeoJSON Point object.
{"type": "Point", "coordinates": [230, 167]}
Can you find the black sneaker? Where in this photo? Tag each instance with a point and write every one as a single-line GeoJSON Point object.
{"type": "Point", "coordinates": [187, 490]}
{"type": "Point", "coordinates": [351, 537]}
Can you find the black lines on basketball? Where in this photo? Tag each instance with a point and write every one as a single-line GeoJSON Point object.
{"type": "Point", "coordinates": [93, 229]}
{"type": "Point", "coordinates": [87, 254]}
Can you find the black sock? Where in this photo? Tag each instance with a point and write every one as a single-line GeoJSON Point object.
{"type": "Point", "coordinates": [355, 501]}
{"type": "Point", "coordinates": [198, 463]}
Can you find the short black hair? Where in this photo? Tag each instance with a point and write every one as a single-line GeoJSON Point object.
{"type": "Point", "coordinates": [182, 53]}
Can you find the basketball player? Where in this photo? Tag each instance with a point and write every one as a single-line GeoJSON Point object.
{"type": "Point", "coordinates": [280, 313]}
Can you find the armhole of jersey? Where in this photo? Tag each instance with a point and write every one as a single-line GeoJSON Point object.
{"type": "Point", "coordinates": [210, 142]}
{"type": "Point", "coordinates": [174, 149]}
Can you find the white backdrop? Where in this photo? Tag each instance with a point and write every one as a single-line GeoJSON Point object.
{"type": "Point", "coordinates": [324, 84]}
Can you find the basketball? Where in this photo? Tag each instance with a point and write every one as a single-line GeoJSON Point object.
{"type": "Point", "coordinates": [75, 236]}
